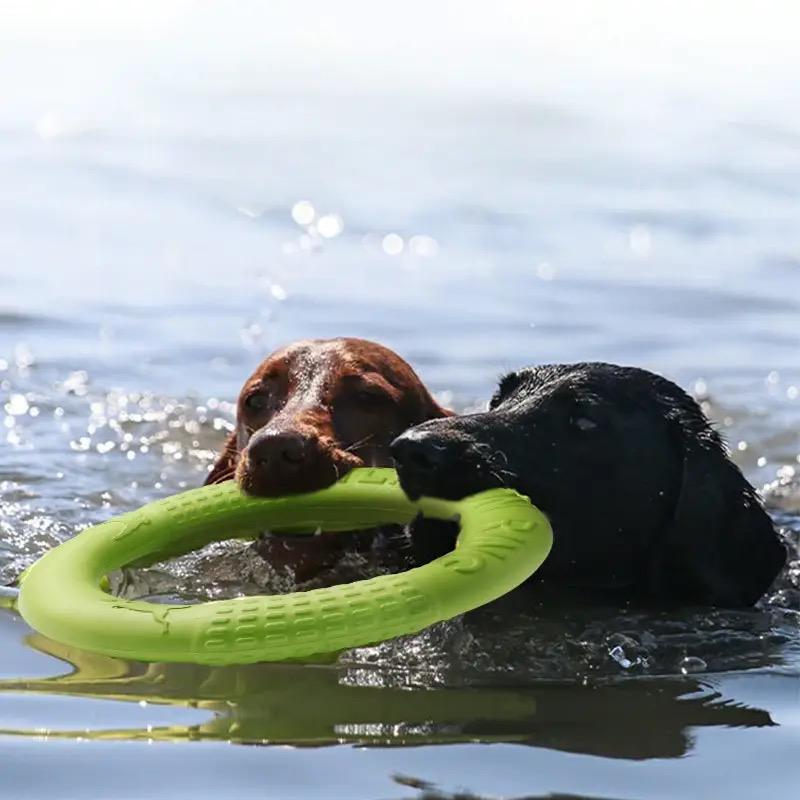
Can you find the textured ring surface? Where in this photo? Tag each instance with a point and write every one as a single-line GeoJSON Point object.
{"type": "Point", "coordinates": [503, 539]}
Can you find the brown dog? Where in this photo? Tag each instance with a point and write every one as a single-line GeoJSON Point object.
{"type": "Point", "coordinates": [311, 412]}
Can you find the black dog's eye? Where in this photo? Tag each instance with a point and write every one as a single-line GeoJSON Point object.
{"type": "Point", "coordinates": [583, 423]}
{"type": "Point", "coordinates": [256, 402]}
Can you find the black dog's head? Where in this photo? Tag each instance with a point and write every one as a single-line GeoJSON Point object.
{"type": "Point", "coordinates": [640, 492]}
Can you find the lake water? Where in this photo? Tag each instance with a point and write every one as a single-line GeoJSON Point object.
{"type": "Point", "coordinates": [184, 188]}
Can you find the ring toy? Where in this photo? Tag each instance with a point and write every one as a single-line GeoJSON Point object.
{"type": "Point", "coordinates": [503, 539]}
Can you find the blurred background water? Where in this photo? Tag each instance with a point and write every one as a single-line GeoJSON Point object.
{"type": "Point", "coordinates": [184, 186]}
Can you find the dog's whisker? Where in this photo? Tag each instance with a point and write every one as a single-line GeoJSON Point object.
{"type": "Point", "coordinates": [502, 454]}
{"type": "Point", "coordinates": [498, 477]}
{"type": "Point", "coordinates": [350, 448]}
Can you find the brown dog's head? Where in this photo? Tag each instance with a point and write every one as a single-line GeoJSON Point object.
{"type": "Point", "coordinates": [310, 413]}
{"type": "Point", "coordinates": [314, 410]}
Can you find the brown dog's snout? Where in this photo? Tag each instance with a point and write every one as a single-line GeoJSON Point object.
{"type": "Point", "coordinates": [283, 461]}
{"type": "Point", "coordinates": [279, 462]}
{"type": "Point", "coordinates": [283, 451]}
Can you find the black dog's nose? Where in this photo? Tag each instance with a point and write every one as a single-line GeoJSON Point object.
{"type": "Point", "coordinates": [284, 450]}
{"type": "Point", "coordinates": [432, 460]}
{"type": "Point", "coordinates": [418, 452]}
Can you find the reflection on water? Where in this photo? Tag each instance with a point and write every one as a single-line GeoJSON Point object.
{"type": "Point", "coordinates": [328, 704]}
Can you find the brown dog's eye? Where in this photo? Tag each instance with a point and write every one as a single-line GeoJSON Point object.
{"type": "Point", "coordinates": [369, 399]}
{"type": "Point", "coordinates": [256, 402]}
{"type": "Point", "coordinates": [583, 424]}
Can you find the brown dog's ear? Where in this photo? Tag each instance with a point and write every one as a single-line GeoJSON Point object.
{"type": "Point", "coordinates": [419, 406]}
{"type": "Point", "coordinates": [431, 408]}
{"type": "Point", "coordinates": [437, 412]}
{"type": "Point", "coordinates": [225, 466]}
{"type": "Point", "coordinates": [721, 547]}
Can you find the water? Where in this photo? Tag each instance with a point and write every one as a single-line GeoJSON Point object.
{"type": "Point", "coordinates": [562, 186]}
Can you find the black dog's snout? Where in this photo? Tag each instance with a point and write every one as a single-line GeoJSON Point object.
{"type": "Point", "coordinates": [438, 459]}
{"type": "Point", "coordinates": [419, 453]}
{"type": "Point", "coordinates": [426, 462]}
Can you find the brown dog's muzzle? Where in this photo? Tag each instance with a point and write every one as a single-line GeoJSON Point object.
{"type": "Point", "coordinates": [290, 461]}
{"type": "Point", "coordinates": [309, 414]}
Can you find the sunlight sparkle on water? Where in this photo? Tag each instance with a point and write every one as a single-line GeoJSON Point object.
{"type": "Point", "coordinates": [278, 292]}
{"type": "Point", "coordinates": [330, 225]}
{"type": "Point", "coordinates": [17, 405]}
{"type": "Point", "coordinates": [545, 271]}
{"type": "Point", "coordinates": [23, 356]}
{"type": "Point", "coordinates": [392, 244]}
{"type": "Point", "coordinates": [303, 212]}
{"type": "Point", "coordinates": [424, 246]}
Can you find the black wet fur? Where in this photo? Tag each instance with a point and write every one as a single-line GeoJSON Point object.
{"type": "Point", "coordinates": [643, 499]}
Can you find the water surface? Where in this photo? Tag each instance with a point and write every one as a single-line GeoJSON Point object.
{"type": "Point", "coordinates": [175, 204]}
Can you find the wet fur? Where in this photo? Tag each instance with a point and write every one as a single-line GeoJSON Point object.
{"type": "Point", "coordinates": [644, 501]}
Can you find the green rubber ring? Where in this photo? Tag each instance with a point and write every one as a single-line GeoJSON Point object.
{"type": "Point", "coordinates": [503, 539]}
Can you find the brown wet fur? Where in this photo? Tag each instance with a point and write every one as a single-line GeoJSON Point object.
{"type": "Point", "coordinates": [310, 413]}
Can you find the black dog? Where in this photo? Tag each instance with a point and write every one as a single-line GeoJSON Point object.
{"type": "Point", "coordinates": [644, 502]}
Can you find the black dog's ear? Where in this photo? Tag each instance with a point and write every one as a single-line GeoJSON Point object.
{"type": "Point", "coordinates": [721, 547]}
{"type": "Point", "coordinates": [225, 466]}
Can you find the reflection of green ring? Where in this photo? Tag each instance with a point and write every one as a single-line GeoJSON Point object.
{"type": "Point", "coordinates": [503, 540]}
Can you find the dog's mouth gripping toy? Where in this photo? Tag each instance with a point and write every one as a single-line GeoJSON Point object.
{"type": "Point", "coordinates": [503, 539]}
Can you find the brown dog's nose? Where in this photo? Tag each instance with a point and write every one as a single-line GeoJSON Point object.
{"type": "Point", "coordinates": [287, 461]}
{"type": "Point", "coordinates": [283, 452]}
